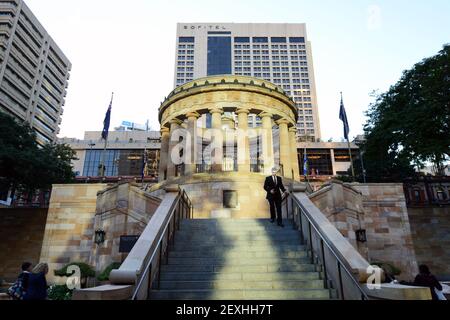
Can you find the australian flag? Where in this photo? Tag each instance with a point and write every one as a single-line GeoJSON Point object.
{"type": "Point", "coordinates": [343, 117]}
{"type": "Point", "coordinates": [305, 165]}
{"type": "Point", "coordinates": [107, 121]}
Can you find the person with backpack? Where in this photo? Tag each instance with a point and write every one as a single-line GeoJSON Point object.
{"type": "Point", "coordinates": [20, 287]}
{"type": "Point", "coordinates": [37, 284]}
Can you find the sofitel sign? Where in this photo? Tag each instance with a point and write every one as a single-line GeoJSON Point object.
{"type": "Point", "coordinates": [209, 27]}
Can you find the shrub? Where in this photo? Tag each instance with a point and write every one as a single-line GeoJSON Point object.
{"type": "Point", "coordinates": [104, 276]}
{"type": "Point", "coordinates": [389, 268]}
{"type": "Point", "coordinates": [85, 269]}
{"type": "Point", "coordinates": [59, 292]}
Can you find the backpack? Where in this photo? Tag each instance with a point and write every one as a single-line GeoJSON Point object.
{"type": "Point", "coordinates": [16, 291]}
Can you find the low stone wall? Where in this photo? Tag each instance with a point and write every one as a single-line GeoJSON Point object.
{"type": "Point", "coordinates": [430, 229]}
{"type": "Point", "coordinates": [122, 209]}
{"type": "Point", "coordinates": [388, 228]}
{"type": "Point", "coordinates": [381, 210]}
{"type": "Point", "coordinates": [21, 237]}
{"type": "Point", "coordinates": [69, 232]}
{"type": "Point", "coordinates": [342, 205]}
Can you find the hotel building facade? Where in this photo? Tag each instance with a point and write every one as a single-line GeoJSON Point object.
{"type": "Point", "coordinates": [279, 53]}
{"type": "Point", "coordinates": [34, 72]}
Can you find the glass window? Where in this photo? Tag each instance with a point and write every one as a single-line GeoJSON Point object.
{"type": "Point", "coordinates": [297, 39]}
{"type": "Point", "coordinates": [242, 39]}
{"type": "Point", "coordinates": [219, 55]}
{"type": "Point", "coordinates": [260, 39]}
{"type": "Point", "coordinates": [278, 39]}
{"type": "Point", "coordinates": [319, 161]}
{"type": "Point", "coordinates": [186, 39]}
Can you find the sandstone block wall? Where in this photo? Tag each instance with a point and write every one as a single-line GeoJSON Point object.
{"type": "Point", "coordinates": [122, 209]}
{"type": "Point", "coordinates": [69, 231]}
{"type": "Point", "coordinates": [21, 237]}
{"type": "Point", "coordinates": [430, 229]}
{"type": "Point", "coordinates": [388, 228]}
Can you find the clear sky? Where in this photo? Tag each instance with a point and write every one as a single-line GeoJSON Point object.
{"type": "Point", "coordinates": [129, 47]}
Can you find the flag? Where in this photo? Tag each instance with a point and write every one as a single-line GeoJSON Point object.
{"type": "Point", "coordinates": [144, 164]}
{"type": "Point", "coordinates": [343, 117]}
{"type": "Point", "coordinates": [107, 121]}
{"type": "Point", "coordinates": [305, 165]}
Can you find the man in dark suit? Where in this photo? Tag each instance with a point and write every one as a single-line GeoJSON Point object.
{"type": "Point", "coordinates": [273, 186]}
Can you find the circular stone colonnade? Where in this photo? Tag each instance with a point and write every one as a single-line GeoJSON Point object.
{"type": "Point", "coordinates": [237, 192]}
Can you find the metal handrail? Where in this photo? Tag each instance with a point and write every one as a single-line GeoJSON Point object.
{"type": "Point", "coordinates": [324, 240]}
{"type": "Point", "coordinates": [185, 202]}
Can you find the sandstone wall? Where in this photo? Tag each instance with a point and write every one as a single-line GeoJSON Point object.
{"type": "Point", "coordinates": [69, 231]}
{"type": "Point", "coordinates": [21, 237]}
{"type": "Point", "coordinates": [388, 227]}
{"type": "Point", "coordinates": [122, 209]}
{"type": "Point", "coordinates": [381, 210]}
{"type": "Point", "coordinates": [430, 229]}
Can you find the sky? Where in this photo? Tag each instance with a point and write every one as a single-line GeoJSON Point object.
{"type": "Point", "coordinates": [129, 47]}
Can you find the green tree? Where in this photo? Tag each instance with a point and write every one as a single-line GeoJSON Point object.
{"type": "Point", "coordinates": [26, 166]}
{"type": "Point", "coordinates": [410, 124]}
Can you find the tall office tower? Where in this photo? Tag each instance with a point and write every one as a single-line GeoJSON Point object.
{"type": "Point", "coordinates": [279, 53]}
{"type": "Point", "coordinates": [33, 71]}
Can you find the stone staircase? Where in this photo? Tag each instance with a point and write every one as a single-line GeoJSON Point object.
{"type": "Point", "coordinates": [239, 260]}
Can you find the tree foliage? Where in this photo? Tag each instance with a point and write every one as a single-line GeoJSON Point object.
{"type": "Point", "coordinates": [25, 165]}
{"type": "Point", "coordinates": [409, 125]}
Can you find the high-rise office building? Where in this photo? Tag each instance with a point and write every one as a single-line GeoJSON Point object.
{"type": "Point", "coordinates": [33, 71]}
{"type": "Point", "coordinates": [279, 53]}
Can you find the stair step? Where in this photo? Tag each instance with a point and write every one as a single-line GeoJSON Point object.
{"type": "Point", "coordinates": [240, 269]}
{"type": "Point", "coordinates": [241, 285]}
{"type": "Point", "coordinates": [226, 233]}
{"type": "Point", "coordinates": [240, 246]}
{"type": "Point", "coordinates": [235, 261]}
{"type": "Point", "coordinates": [236, 253]}
{"type": "Point", "coordinates": [249, 276]}
{"type": "Point", "coordinates": [300, 294]}
{"type": "Point", "coordinates": [240, 237]}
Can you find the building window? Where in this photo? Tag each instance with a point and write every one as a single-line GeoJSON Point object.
{"type": "Point", "coordinates": [278, 39]}
{"type": "Point", "coordinates": [219, 55]}
{"type": "Point", "coordinates": [242, 39]}
{"type": "Point", "coordinates": [260, 39]}
{"type": "Point", "coordinates": [186, 39]}
{"type": "Point", "coordinates": [297, 39]}
{"type": "Point", "coordinates": [319, 161]}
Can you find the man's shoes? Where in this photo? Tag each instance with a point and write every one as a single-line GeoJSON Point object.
{"type": "Point", "coordinates": [272, 221]}
{"type": "Point", "coordinates": [280, 224]}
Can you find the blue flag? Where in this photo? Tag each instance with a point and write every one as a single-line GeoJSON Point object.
{"type": "Point", "coordinates": [343, 117]}
{"type": "Point", "coordinates": [305, 165]}
{"type": "Point", "coordinates": [107, 121]}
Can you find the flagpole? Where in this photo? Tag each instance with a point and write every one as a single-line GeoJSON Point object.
{"type": "Point", "coordinates": [102, 161]}
{"type": "Point", "coordinates": [350, 151]}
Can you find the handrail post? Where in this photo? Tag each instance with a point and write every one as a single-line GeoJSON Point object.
{"type": "Point", "coordinates": [300, 224]}
{"type": "Point", "coordinates": [159, 265]}
{"type": "Point", "coordinates": [310, 243]}
{"type": "Point", "coordinates": [149, 288]}
{"type": "Point", "coordinates": [324, 264]}
{"type": "Point", "coordinates": [340, 280]}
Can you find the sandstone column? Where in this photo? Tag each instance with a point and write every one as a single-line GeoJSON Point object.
{"type": "Point", "coordinates": [285, 154]}
{"type": "Point", "coordinates": [191, 145]}
{"type": "Point", "coordinates": [165, 136]}
{"type": "Point", "coordinates": [294, 152]}
{"type": "Point", "coordinates": [216, 139]}
{"type": "Point", "coordinates": [243, 145]}
{"type": "Point", "coordinates": [267, 142]}
{"type": "Point", "coordinates": [174, 125]}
